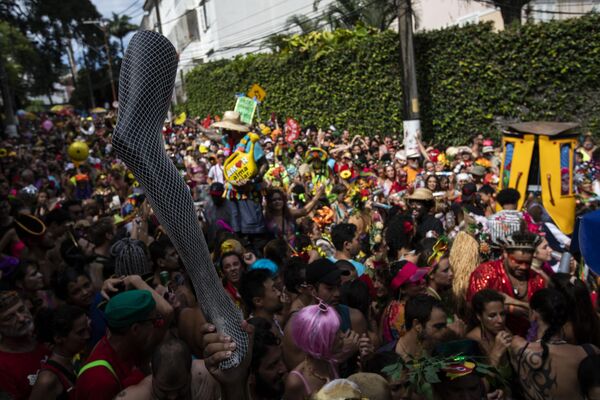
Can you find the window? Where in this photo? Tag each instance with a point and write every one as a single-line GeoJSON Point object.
{"type": "Point", "coordinates": [565, 169]}
{"type": "Point", "coordinates": [204, 17]}
{"type": "Point", "coordinates": [192, 25]}
{"type": "Point", "coordinates": [509, 150]}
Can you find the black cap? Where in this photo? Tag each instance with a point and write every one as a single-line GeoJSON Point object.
{"type": "Point", "coordinates": [469, 189]}
{"type": "Point", "coordinates": [323, 271]}
{"type": "Point", "coordinates": [216, 189]}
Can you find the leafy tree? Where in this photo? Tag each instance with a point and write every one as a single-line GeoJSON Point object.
{"type": "Point", "coordinates": [347, 14]}
{"type": "Point", "coordinates": [16, 55]}
{"type": "Point", "coordinates": [120, 26]}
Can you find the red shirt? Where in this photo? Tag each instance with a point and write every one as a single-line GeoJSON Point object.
{"type": "Point", "coordinates": [492, 275]}
{"type": "Point", "coordinates": [18, 371]}
{"type": "Point", "coordinates": [99, 382]}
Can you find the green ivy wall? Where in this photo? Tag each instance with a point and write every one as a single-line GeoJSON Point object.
{"type": "Point", "coordinates": [471, 79]}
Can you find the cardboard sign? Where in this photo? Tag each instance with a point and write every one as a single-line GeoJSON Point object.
{"type": "Point", "coordinates": [246, 107]}
{"type": "Point", "coordinates": [256, 92]}
{"type": "Point", "coordinates": [292, 130]}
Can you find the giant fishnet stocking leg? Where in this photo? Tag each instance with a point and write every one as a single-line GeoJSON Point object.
{"type": "Point", "coordinates": [145, 88]}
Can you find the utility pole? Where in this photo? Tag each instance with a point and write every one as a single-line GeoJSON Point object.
{"type": "Point", "coordinates": [89, 79]}
{"type": "Point", "coordinates": [103, 25]}
{"type": "Point", "coordinates": [411, 121]}
{"type": "Point", "coordinates": [158, 21]}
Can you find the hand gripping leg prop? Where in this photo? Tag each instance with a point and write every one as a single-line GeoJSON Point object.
{"type": "Point", "coordinates": [145, 88]}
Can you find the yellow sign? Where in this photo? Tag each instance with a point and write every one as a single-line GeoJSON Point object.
{"type": "Point", "coordinates": [180, 120]}
{"type": "Point", "coordinates": [257, 92]}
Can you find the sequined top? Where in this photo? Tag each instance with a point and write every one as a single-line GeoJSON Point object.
{"type": "Point", "coordinates": [492, 275]}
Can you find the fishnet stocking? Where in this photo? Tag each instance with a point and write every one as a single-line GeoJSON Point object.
{"type": "Point", "coordinates": [145, 87]}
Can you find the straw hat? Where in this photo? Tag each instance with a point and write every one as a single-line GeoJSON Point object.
{"type": "Point", "coordinates": [232, 121]}
{"type": "Point", "coordinates": [421, 194]}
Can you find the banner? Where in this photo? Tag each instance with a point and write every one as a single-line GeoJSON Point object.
{"type": "Point", "coordinates": [292, 130]}
{"type": "Point", "coordinates": [246, 107]}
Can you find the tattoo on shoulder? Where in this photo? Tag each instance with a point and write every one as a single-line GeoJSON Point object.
{"type": "Point", "coordinates": [537, 380]}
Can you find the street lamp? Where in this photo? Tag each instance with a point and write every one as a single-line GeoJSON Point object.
{"type": "Point", "coordinates": [103, 26]}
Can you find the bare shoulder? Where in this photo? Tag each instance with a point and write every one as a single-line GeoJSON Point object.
{"type": "Point", "coordinates": [141, 391]}
{"type": "Point", "coordinates": [358, 321]}
{"type": "Point", "coordinates": [518, 344]}
{"type": "Point", "coordinates": [47, 379]}
{"type": "Point", "coordinates": [293, 381]}
{"type": "Point", "coordinates": [474, 334]}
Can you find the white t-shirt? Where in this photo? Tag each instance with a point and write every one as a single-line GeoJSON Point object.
{"type": "Point", "coordinates": [215, 173]}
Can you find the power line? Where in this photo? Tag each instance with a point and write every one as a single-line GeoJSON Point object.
{"type": "Point", "coordinates": [136, 2]}
{"type": "Point", "coordinates": [249, 42]}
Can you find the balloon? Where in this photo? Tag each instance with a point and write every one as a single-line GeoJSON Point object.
{"type": "Point", "coordinates": [78, 151]}
{"type": "Point", "coordinates": [47, 125]}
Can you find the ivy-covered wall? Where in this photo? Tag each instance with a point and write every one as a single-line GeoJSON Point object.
{"type": "Point", "coordinates": [471, 79]}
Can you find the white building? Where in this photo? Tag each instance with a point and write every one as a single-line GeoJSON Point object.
{"type": "Point", "coordinates": [208, 30]}
{"type": "Point", "coordinates": [437, 14]}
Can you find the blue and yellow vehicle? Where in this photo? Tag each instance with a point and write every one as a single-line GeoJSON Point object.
{"type": "Point", "coordinates": [538, 158]}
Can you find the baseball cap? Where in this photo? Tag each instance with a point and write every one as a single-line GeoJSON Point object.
{"type": "Point", "coordinates": [216, 189]}
{"type": "Point", "coordinates": [323, 271]}
{"type": "Point", "coordinates": [469, 189]}
{"type": "Point", "coordinates": [129, 307]}
{"type": "Point", "coordinates": [409, 273]}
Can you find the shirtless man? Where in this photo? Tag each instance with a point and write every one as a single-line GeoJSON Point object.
{"type": "Point", "coordinates": [174, 375]}
{"type": "Point", "coordinates": [547, 367]}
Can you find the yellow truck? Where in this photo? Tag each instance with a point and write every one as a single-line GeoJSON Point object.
{"type": "Point", "coordinates": [538, 158]}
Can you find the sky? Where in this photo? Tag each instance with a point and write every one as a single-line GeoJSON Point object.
{"type": "Point", "coordinates": [132, 8]}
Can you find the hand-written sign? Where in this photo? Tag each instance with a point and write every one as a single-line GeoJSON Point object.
{"type": "Point", "coordinates": [246, 107]}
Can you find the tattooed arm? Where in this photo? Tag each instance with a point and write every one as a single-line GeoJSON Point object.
{"type": "Point", "coordinates": [538, 381]}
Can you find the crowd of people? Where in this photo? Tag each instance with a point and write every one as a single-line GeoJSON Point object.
{"type": "Point", "coordinates": [364, 270]}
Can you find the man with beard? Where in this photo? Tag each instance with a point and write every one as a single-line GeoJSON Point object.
{"type": "Point", "coordinates": [137, 321]}
{"type": "Point", "coordinates": [511, 275]}
{"type": "Point", "coordinates": [422, 206]}
{"type": "Point", "coordinates": [426, 326]}
{"type": "Point", "coordinates": [262, 298]}
{"type": "Point", "coordinates": [267, 369]}
{"type": "Point", "coordinates": [20, 354]}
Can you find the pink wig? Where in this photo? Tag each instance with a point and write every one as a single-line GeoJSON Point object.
{"type": "Point", "coordinates": [315, 329]}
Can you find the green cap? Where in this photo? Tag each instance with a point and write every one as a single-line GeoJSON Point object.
{"type": "Point", "coordinates": [129, 307]}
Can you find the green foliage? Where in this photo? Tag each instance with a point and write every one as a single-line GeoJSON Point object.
{"type": "Point", "coordinates": [471, 79]}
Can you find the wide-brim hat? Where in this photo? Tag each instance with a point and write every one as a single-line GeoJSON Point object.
{"type": "Point", "coordinates": [421, 194]}
{"type": "Point", "coordinates": [488, 149]}
{"type": "Point", "coordinates": [465, 149]}
{"type": "Point", "coordinates": [232, 121]}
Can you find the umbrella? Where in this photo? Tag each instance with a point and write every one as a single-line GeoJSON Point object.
{"type": "Point", "coordinates": [98, 110]}
{"type": "Point", "coordinates": [60, 107]}
{"type": "Point", "coordinates": [30, 116]}
{"type": "Point", "coordinates": [21, 113]}
{"type": "Point", "coordinates": [34, 107]}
